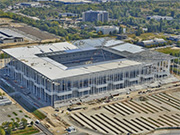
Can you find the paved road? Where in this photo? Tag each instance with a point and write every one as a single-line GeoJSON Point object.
{"type": "Point", "coordinates": [40, 133]}
{"type": "Point", "coordinates": [166, 132]}
{"type": "Point", "coordinates": [44, 129]}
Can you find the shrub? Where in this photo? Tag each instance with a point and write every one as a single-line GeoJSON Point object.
{"type": "Point", "coordinates": [15, 113]}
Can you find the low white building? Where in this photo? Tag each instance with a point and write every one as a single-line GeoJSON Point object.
{"type": "Point", "coordinates": [107, 29]}
{"type": "Point", "coordinates": [156, 41]}
{"type": "Point", "coordinates": [30, 4]}
{"type": "Point", "coordinates": [158, 18]}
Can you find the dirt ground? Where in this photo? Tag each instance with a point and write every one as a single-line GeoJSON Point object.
{"type": "Point", "coordinates": [36, 33]}
{"type": "Point", "coordinates": [9, 22]}
{"type": "Point", "coordinates": [56, 126]}
{"type": "Point", "coordinates": [33, 32]}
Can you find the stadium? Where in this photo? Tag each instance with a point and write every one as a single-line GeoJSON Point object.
{"type": "Point", "coordinates": [65, 71]}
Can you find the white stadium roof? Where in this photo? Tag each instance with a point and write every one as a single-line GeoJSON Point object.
{"type": "Point", "coordinates": [54, 70]}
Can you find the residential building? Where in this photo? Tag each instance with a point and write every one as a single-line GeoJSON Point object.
{"type": "Point", "coordinates": [93, 16]}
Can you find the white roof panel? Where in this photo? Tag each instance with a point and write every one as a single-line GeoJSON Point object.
{"type": "Point", "coordinates": [129, 48]}
{"type": "Point", "coordinates": [113, 42]}
{"type": "Point", "coordinates": [10, 32]}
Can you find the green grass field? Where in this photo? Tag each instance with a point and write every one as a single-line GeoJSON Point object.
{"type": "Point", "coordinates": [169, 50]}
{"type": "Point", "coordinates": [26, 131]}
{"type": "Point", "coordinates": [39, 114]}
{"type": "Point", "coordinates": [146, 36]}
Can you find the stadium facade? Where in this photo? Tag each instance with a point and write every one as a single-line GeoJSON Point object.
{"type": "Point", "coordinates": [63, 71]}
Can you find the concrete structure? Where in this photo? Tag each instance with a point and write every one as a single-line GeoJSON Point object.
{"type": "Point", "coordinates": [158, 18]}
{"type": "Point", "coordinates": [9, 36]}
{"type": "Point", "coordinates": [107, 29]}
{"type": "Point", "coordinates": [157, 41]}
{"type": "Point", "coordinates": [92, 16]}
{"type": "Point", "coordinates": [62, 71]}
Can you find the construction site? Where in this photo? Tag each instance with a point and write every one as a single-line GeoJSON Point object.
{"type": "Point", "coordinates": [141, 112]}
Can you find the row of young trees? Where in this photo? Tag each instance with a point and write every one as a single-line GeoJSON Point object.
{"type": "Point", "coordinates": [2, 95]}
{"type": "Point", "coordinates": [7, 127]}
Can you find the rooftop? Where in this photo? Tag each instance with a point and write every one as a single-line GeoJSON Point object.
{"type": "Point", "coordinates": [8, 33]}
{"type": "Point", "coordinates": [98, 11]}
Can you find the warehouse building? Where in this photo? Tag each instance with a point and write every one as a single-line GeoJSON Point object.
{"type": "Point", "coordinates": [9, 36]}
{"type": "Point", "coordinates": [63, 71]}
{"type": "Point", "coordinates": [156, 41]}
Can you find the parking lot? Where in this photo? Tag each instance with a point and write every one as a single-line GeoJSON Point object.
{"type": "Point", "coordinates": [9, 112]}
{"type": "Point", "coordinates": [138, 115]}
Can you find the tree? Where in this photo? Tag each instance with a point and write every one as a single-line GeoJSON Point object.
{"type": "Point", "coordinates": [100, 33]}
{"type": "Point", "coordinates": [114, 32]}
{"type": "Point", "coordinates": [9, 131]}
{"type": "Point", "coordinates": [16, 124]}
{"type": "Point", "coordinates": [24, 122]}
{"type": "Point", "coordinates": [2, 132]}
{"type": "Point", "coordinates": [32, 123]}
{"type": "Point", "coordinates": [139, 31]}
{"type": "Point", "coordinates": [10, 125]}
{"type": "Point", "coordinates": [178, 43]}
{"type": "Point", "coordinates": [172, 13]}
{"type": "Point", "coordinates": [17, 119]}
{"type": "Point", "coordinates": [13, 126]}
{"type": "Point", "coordinates": [160, 26]}
{"type": "Point", "coordinates": [120, 30]}
{"type": "Point", "coordinates": [1, 95]}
